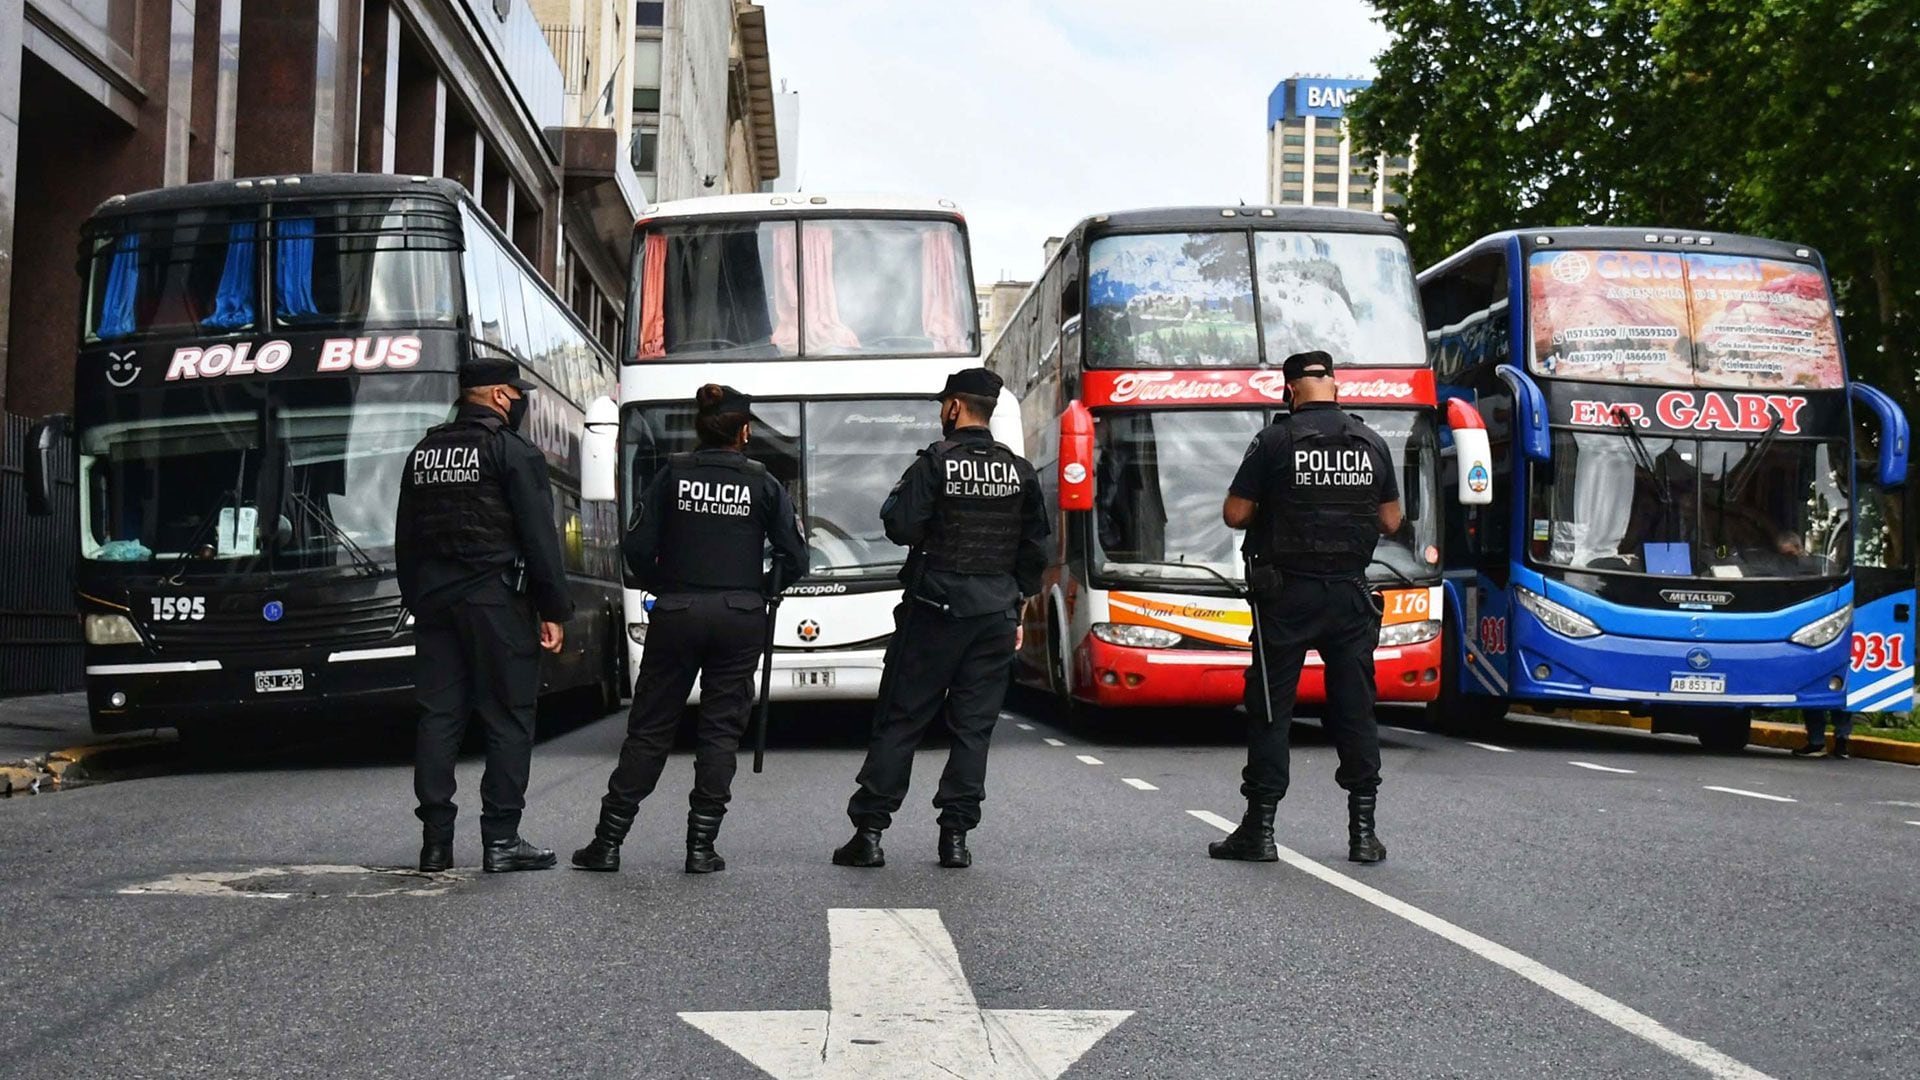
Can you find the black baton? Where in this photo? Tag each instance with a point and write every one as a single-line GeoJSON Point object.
{"type": "Point", "coordinates": [766, 690]}
{"type": "Point", "coordinates": [1259, 648]}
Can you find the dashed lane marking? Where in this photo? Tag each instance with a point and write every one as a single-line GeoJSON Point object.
{"type": "Point", "coordinates": [1750, 794]}
{"type": "Point", "coordinates": [1620, 1015]}
{"type": "Point", "coordinates": [1024, 727]}
{"type": "Point", "coordinates": [1402, 730]}
{"type": "Point", "coordinates": [1490, 746]}
{"type": "Point", "coordinates": [1053, 742]}
{"type": "Point", "coordinates": [1141, 785]}
{"type": "Point", "coordinates": [1599, 768]}
{"type": "Point", "coordinates": [1089, 759]}
{"type": "Point", "coordinates": [1913, 822]}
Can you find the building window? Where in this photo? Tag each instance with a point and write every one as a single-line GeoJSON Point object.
{"type": "Point", "coordinates": [1327, 178]}
{"type": "Point", "coordinates": [1293, 158]}
{"type": "Point", "coordinates": [1293, 139]}
{"type": "Point", "coordinates": [646, 150]}
{"type": "Point", "coordinates": [1394, 198]}
{"type": "Point", "coordinates": [654, 15]}
{"type": "Point", "coordinates": [646, 75]}
{"type": "Point", "coordinates": [1326, 140]}
{"type": "Point", "coordinates": [1291, 176]}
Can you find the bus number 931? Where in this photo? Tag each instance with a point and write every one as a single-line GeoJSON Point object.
{"type": "Point", "coordinates": [1879, 652]}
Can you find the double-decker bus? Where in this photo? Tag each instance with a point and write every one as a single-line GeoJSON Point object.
{"type": "Point", "coordinates": [1146, 358]}
{"type": "Point", "coordinates": [1673, 519]}
{"type": "Point", "coordinates": [256, 359]}
{"type": "Point", "coordinates": [843, 317]}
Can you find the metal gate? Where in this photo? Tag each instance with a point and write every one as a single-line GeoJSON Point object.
{"type": "Point", "coordinates": [39, 631]}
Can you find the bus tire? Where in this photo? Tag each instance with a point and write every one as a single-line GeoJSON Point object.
{"type": "Point", "coordinates": [1059, 675]}
{"type": "Point", "coordinates": [1453, 712]}
{"type": "Point", "coordinates": [1723, 731]}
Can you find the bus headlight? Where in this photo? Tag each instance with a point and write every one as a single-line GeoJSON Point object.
{"type": "Point", "coordinates": [111, 630]}
{"type": "Point", "coordinates": [637, 633]}
{"type": "Point", "coordinates": [1556, 617]}
{"type": "Point", "coordinates": [1410, 633]}
{"type": "Point", "coordinates": [1135, 637]}
{"type": "Point", "coordinates": [1823, 630]}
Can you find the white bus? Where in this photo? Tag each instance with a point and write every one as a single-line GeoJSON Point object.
{"type": "Point", "coordinates": [843, 318]}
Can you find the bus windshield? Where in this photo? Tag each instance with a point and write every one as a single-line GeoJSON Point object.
{"type": "Point", "coordinates": [1686, 507]}
{"type": "Point", "coordinates": [756, 290]}
{"type": "Point", "coordinates": [1206, 299]}
{"type": "Point", "coordinates": [1160, 477]}
{"type": "Point", "coordinates": [1682, 320]}
{"type": "Point", "coordinates": [838, 460]}
{"type": "Point", "coordinates": [352, 264]}
{"type": "Point", "coordinates": [184, 476]}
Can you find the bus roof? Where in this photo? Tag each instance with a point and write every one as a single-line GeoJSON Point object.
{"type": "Point", "coordinates": [1197, 218]}
{"type": "Point", "coordinates": [759, 204]}
{"type": "Point", "coordinates": [1631, 238]}
{"type": "Point", "coordinates": [259, 189]}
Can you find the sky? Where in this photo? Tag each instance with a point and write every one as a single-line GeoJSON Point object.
{"type": "Point", "coordinates": [1033, 114]}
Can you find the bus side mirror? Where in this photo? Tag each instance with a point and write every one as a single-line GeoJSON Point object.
{"type": "Point", "coordinates": [1076, 458]}
{"type": "Point", "coordinates": [600, 451]}
{"type": "Point", "coordinates": [1472, 454]}
{"type": "Point", "coordinates": [41, 441]}
{"type": "Point", "coordinates": [1005, 426]}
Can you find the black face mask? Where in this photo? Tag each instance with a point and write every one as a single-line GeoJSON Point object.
{"type": "Point", "coordinates": [517, 412]}
{"type": "Point", "coordinates": [948, 422]}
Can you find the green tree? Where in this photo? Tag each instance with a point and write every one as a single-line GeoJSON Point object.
{"type": "Point", "coordinates": [1797, 119]}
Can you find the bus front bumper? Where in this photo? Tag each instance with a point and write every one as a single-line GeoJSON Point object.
{"type": "Point", "coordinates": [1663, 673]}
{"type": "Point", "coordinates": [132, 690]}
{"type": "Point", "coordinates": [1121, 677]}
{"type": "Point", "coordinates": [835, 675]}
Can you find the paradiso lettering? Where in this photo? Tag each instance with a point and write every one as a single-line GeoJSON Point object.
{"type": "Point", "coordinates": [336, 355]}
{"type": "Point", "coordinates": [1687, 410]}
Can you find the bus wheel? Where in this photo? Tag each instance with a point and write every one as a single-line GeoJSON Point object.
{"type": "Point", "coordinates": [1452, 712]}
{"type": "Point", "coordinates": [1059, 677]}
{"type": "Point", "coordinates": [1724, 731]}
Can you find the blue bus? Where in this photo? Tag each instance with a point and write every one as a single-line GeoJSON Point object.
{"type": "Point", "coordinates": [1673, 522]}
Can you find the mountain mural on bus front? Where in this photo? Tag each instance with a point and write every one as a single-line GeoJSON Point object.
{"type": "Point", "coordinates": [1171, 299]}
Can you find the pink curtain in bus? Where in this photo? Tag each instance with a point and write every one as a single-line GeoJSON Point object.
{"type": "Point", "coordinates": [825, 331]}
{"type": "Point", "coordinates": [937, 288]}
{"type": "Point", "coordinates": [786, 296]}
{"type": "Point", "coordinates": [653, 291]}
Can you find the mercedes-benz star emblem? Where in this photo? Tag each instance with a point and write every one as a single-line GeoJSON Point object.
{"type": "Point", "coordinates": [1699, 659]}
{"type": "Point", "coordinates": [809, 630]}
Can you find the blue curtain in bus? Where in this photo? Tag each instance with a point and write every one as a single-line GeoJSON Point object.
{"type": "Point", "coordinates": [123, 279]}
{"type": "Point", "coordinates": [293, 269]}
{"type": "Point", "coordinates": [233, 304]}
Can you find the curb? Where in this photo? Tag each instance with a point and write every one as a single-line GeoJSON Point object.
{"type": "Point", "coordinates": [76, 766]}
{"type": "Point", "coordinates": [1791, 737]}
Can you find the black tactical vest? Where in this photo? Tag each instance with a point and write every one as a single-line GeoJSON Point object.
{"type": "Point", "coordinates": [976, 519]}
{"type": "Point", "coordinates": [713, 537]}
{"type": "Point", "coordinates": [1323, 519]}
{"type": "Point", "coordinates": [457, 496]}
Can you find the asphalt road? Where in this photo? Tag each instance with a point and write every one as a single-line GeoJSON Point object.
{"type": "Point", "coordinates": [1536, 917]}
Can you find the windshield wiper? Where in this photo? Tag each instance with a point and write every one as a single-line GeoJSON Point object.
{"type": "Point", "coordinates": [1233, 586]}
{"type": "Point", "coordinates": [200, 532]}
{"type": "Point", "coordinates": [1644, 457]}
{"type": "Point", "coordinates": [1734, 484]}
{"type": "Point", "coordinates": [354, 551]}
{"type": "Point", "coordinates": [1395, 571]}
{"type": "Point", "coordinates": [891, 564]}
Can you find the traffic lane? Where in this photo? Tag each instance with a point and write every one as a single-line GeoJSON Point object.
{"type": "Point", "coordinates": [1088, 894]}
{"type": "Point", "coordinates": [1696, 906]}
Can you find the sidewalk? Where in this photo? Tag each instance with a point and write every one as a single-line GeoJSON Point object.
{"type": "Point", "coordinates": [1765, 733]}
{"type": "Point", "coordinates": [45, 741]}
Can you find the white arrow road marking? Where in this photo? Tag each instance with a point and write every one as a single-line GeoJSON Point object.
{"type": "Point", "coordinates": [902, 1009]}
{"type": "Point", "coordinates": [1620, 1015]}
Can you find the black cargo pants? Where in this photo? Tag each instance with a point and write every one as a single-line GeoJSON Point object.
{"type": "Point", "coordinates": [480, 657]}
{"type": "Point", "coordinates": [1338, 618]}
{"type": "Point", "coordinates": [935, 659]}
{"type": "Point", "coordinates": [718, 638]}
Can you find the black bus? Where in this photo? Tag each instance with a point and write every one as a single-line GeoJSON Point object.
{"type": "Point", "coordinates": [256, 358]}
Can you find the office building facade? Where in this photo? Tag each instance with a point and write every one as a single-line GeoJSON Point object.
{"type": "Point", "coordinates": [1311, 157]}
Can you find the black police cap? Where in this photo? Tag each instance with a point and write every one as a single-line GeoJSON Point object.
{"type": "Point", "coordinates": [976, 381]}
{"type": "Point", "coordinates": [492, 371]}
{"type": "Point", "coordinates": [728, 400]}
{"type": "Point", "coordinates": [1308, 365]}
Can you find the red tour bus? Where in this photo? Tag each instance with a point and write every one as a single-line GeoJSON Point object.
{"type": "Point", "coordinates": [1145, 359]}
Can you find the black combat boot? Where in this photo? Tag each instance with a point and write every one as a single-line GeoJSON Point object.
{"type": "Point", "coordinates": [603, 851]}
{"type": "Point", "coordinates": [1840, 748]}
{"type": "Point", "coordinates": [862, 850]}
{"type": "Point", "coordinates": [1253, 840]}
{"type": "Point", "coordinates": [702, 828]}
{"type": "Point", "coordinates": [513, 853]}
{"type": "Point", "coordinates": [436, 856]}
{"type": "Point", "coordinates": [1362, 845]}
{"type": "Point", "coordinates": [953, 849]}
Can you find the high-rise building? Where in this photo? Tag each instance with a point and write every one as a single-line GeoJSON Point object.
{"type": "Point", "coordinates": [1311, 159]}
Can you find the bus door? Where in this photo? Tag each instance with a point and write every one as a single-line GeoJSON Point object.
{"type": "Point", "coordinates": [1881, 678]}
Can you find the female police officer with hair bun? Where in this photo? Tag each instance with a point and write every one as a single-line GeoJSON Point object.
{"type": "Point", "coordinates": [698, 545]}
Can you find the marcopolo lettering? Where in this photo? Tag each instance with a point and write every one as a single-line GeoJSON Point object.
{"type": "Point", "coordinates": [970, 479]}
{"type": "Point", "coordinates": [710, 497]}
{"type": "Point", "coordinates": [1332, 468]}
{"type": "Point", "coordinates": [446, 465]}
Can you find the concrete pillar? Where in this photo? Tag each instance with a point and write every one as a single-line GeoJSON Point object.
{"type": "Point", "coordinates": [12, 32]}
{"type": "Point", "coordinates": [379, 85]}
{"type": "Point", "coordinates": [216, 74]}
{"type": "Point", "coordinates": [420, 118]}
{"type": "Point", "coordinates": [466, 154]}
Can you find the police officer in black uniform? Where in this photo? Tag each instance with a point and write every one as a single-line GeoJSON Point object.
{"type": "Point", "coordinates": [698, 544]}
{"type": "Point", "coordinates": [1318, 489]}
{"type": "Point", "coordinates": [479, 567]}
{"type": "Point", "coordinates": [970, 510]}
